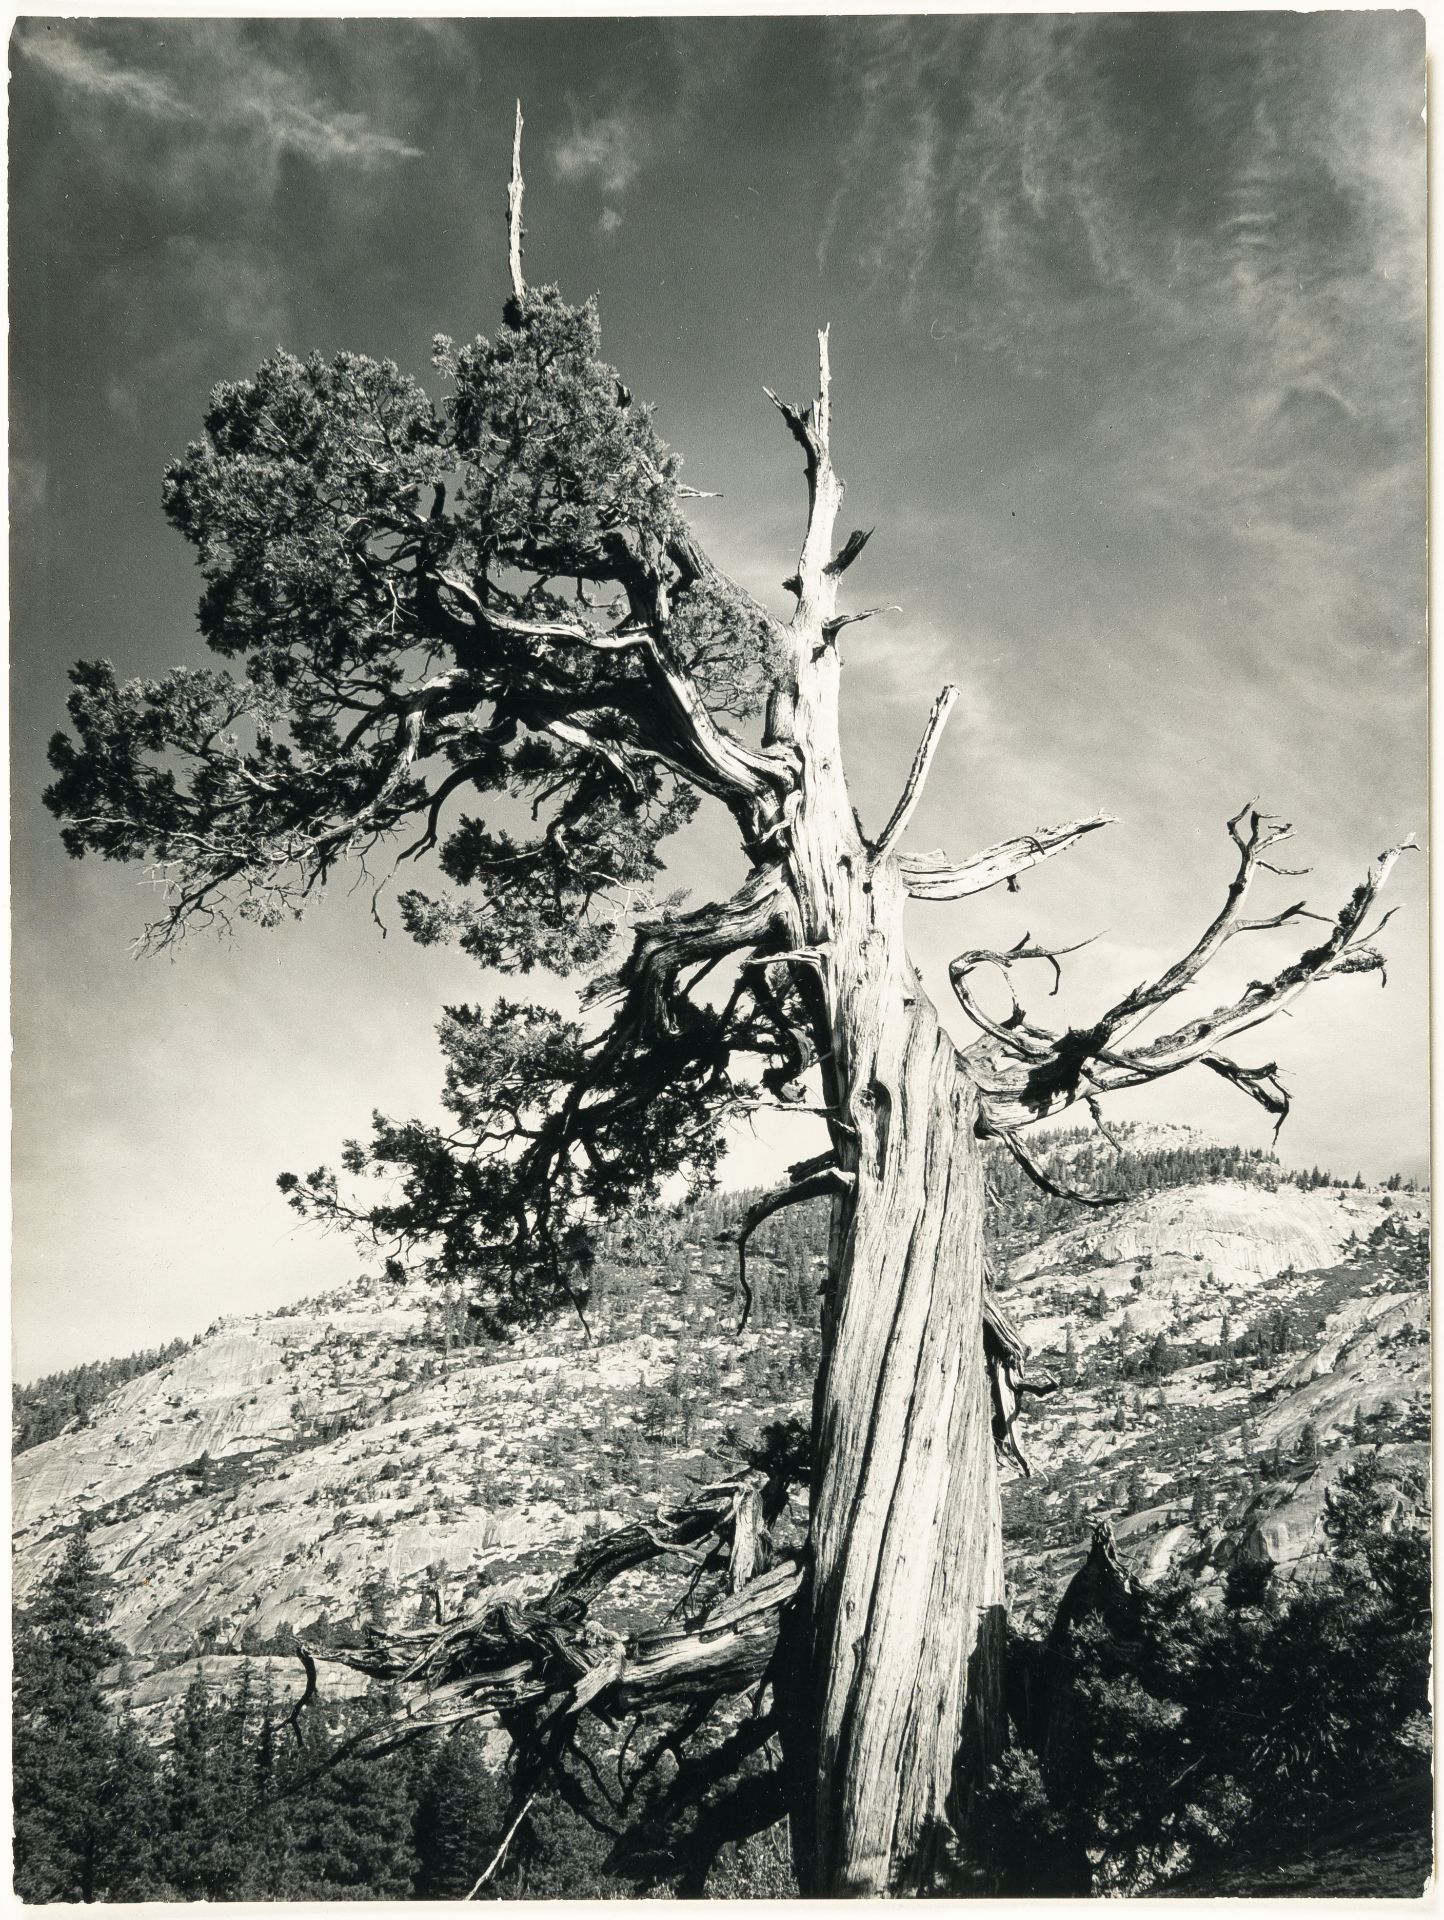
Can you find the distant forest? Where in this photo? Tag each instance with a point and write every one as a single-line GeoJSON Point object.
{"type": "Point", "coordinates": [49, 1405]}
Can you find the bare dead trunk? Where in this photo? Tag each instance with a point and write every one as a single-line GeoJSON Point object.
{"type": "Point", "coordinates": [904, 1641]}
{"type": "Point", "coordinates": [907, 1595]}
{"type": "Point", "coordinates": [900, 1670]}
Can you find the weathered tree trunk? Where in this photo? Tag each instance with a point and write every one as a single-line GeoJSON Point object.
{"type": "Point", "coordinates": [906, 1601]}
{"type": "Point", "coordinates": [906, 1598]}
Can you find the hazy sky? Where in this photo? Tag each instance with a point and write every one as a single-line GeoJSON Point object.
{"type": "Point", "coordinates": [1127, 339]}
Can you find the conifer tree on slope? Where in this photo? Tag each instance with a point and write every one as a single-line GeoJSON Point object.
{"type": "Point", "coordinates": [436, 611]}
{"type": "Point", "coordinates": [86, 1794]}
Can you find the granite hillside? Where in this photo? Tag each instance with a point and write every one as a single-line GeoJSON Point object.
{"type": "Point", "coordinates": [1223, 1345]}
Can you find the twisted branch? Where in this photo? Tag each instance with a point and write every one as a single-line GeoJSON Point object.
{"type": "Point", "coordinates": [1026, 1071]}
{"type": "Point", "coordinates": [536, 1667]}
{"type": "Point", "coordinates": [814, 1183]}
{"type": "Point", "coordinates": [662, 948]}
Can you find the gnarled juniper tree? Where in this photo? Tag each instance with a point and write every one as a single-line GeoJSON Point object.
{"type": "Point", "coordinates": [484, 628]}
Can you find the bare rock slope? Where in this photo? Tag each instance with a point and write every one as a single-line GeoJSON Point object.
{"type": "Point", "coordinates": [290, 1471]}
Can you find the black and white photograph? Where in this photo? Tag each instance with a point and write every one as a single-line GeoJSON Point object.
{"type": "Point", "coordinates": [720, 957]}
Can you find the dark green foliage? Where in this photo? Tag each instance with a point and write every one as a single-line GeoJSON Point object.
{"type": "Point", "coordinates": [460, 1816]}
{"type": "Point", "coordinates": [85, 1789]}
{"type": "Point", "coordinates": [234, 1808]}
{"type": "Point", "coordinates": [340, 1828]}
{"type": "Point", "coordinates": [1070, 1373]}
{"type": "Point", "coordinates": [209, 1794]}
{"type": "Point", "coordinates": [1273, 1334]}
{"type": "Point", "coordinates": [1247, 1728]}
{"type": "Point", "coordinates": [496, 598]}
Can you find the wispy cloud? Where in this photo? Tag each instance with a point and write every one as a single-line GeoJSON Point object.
{"type": "Point", "coordinates": [610, 150]}
{"type": "Point", "coordinates": [214, 83]}
{"type": "Point", "coordinates": [1027, 170]}
{"type": "Point", "coordinates": [91, 70]}
{"type": "Point", "coordinates": [198, 123]}
{"type": "Point", "coordinates": [1217, 226]}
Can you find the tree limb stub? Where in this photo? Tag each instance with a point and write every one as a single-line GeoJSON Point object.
{"type": "Point", "coordinates": [848, 552]}
{"type": "Point", "coordinates": [932, 876]}
{"type": "Point", "coordinates": [833, 627]}
{"type": "Point", "coordinates": [1025, 1072]}
{"type": "Point", "coordinates": [917, 773]}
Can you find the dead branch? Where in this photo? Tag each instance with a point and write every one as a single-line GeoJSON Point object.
{"type": "Point", "coordinates": [1025, 1071]}
{"type": "Point", "coordinates": [708, 754]}
{"type": "Point", "coordinates": [1253, 833]}
{"type": "Point", "coordinates": [848, 552]}
{"type": "Point", "coordinates": [814, 583]}
{"type": "Point", "coordinates": [917, 773]}
{"type": "Point", "coordinates": [536, 1667]}
{"type": "Point", "coordinates": [1261, 1084]}
{"type": "Point", "coordinates": [1015, 1033]}
{"type": "Point", "coordinates": [515, 230]}
{"type": "Point", "coordinates": [833, 627]}
{"type": "Point", "coordinates": [506, 1840]}
{"type": "Point", "coordinates": [813, 1186]}
{"type": "Point", "coordinates": [799, 956]}
{"type": "Point", "coordinates": [308, 1667]}
{"type": "Point", "coordinates": [1057, 1188]}
{"type": "Point", "coordinates": [667, 717]}
{"type": "Point", "coordinates": [932, 876]}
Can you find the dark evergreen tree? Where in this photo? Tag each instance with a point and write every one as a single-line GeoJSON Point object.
{"type": "Point", "coordinates": [460, 1818]}
{"type": "Point", "coordinates": [1071, 1371]}
{"type": "Point", "coordinates": [210, 1794]}
{"type": "Point", "coordinates": [347, 1821]}
{"type": "Point", "coordinates": [1173, 1729]}
{"type": "Point", "coordinates": [84, 1785]}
